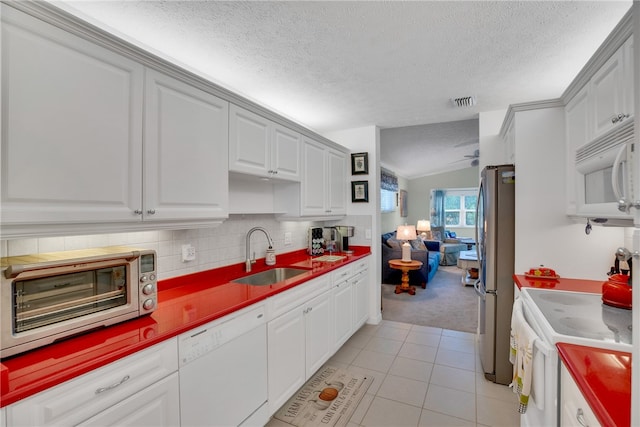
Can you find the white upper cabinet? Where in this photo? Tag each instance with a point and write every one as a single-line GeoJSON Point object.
{"type": "Point", "coordinates": [79, 155]}
{"type": "Point", "coordinates": [337, 182]}
{"type": "Point", "coordinates": [185, 160]}
{"type": "Point", "coordinates": [598, 127]}
{"type": "Point", "coordinates": [72, 127]}
{"type": "Point", "coordinates": [611, 92]}
{"type": "Point", "coordinates": [258, 146]}
{"type": "Point", "coordinates": [314, 181]}
{"type": "Point", "coordinates": [323, 189]}
{"type": "Point", "coordinates": [576, 126]}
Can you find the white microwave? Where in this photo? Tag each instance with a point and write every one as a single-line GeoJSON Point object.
{"type": "Point", "coordinates": [604, 178]}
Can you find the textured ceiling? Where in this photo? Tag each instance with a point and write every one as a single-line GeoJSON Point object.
{"type": "Point", "coordinates": [333, 65]}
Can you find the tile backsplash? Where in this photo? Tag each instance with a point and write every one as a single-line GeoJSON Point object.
{"type": "Point", "coordinates": [215, 247]}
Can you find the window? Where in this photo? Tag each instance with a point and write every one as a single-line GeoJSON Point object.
{"type": "Point", "coordinates": [387, 201]}
{"type": "Point", "coordinates": [460, 207]}
{"type": "Point", "coordinates": [388, 190]}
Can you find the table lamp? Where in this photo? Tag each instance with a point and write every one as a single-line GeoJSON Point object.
{"type": "Point", "coordinates": [406, 233]}
{"type": "Point", "coordinates": [424, 226]}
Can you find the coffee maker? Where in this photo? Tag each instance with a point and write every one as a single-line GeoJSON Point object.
{"type": "Point", "coordinates": [343, 232]}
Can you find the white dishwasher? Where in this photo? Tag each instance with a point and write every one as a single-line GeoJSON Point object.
{"type": "Point", "coordinates": [223, 371]}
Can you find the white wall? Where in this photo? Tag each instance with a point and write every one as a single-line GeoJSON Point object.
{"type": "Point", "coordinates": [544, 233]}
{"type": "Point", "coordinates": [215, 247]}
{"type": "Point", "coordinates": [367, 139]}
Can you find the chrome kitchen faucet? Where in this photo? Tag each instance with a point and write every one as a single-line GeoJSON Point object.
{"type": "Point", "coordinates": [249, 260]}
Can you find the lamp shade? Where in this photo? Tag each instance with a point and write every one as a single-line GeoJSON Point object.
{"type": "Point", "coordinates": [423, 225]}
{"type": "Point", "coordinates": [406, 232]}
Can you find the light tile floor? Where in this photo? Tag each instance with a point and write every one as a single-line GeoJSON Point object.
{"type": "Point", "coordinates": [423, 376]}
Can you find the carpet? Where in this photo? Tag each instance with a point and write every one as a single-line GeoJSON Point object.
{"type": "Point", "coordinates": [445, 303]}
{"type": "Point", "coordinates": [329, 398]}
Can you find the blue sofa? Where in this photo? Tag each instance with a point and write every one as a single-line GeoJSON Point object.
{"type": "Point", "coordinates": [430, 258]}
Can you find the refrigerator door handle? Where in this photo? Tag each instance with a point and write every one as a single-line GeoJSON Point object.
{"type": "Point", "coordinates": [480, 292]}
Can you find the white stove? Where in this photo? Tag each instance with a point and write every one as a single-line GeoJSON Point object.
{"type": "Point", "coordinates": [578, 318]}
{"type": "Point", "coordinates": [570, 317]}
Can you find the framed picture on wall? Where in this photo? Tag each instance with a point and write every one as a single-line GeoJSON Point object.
{"type": "Point", "coordinates": [403, 203]}
{"type": "Point", "coordinates": [360, 164]}
{"type": "Point", "coordinates": [359, 191]}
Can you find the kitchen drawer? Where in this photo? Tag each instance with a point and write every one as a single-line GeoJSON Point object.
{"type": "Point", "coordinates": [293, 297]}
{"type": "Point", "coordinates": [79, 399]}
{"type": "Point", "coordinates": [575, 409]}
{"type": "Point", "coordinates": [341, 274]}
{"type": "Point", "coordinates": [358, 266]}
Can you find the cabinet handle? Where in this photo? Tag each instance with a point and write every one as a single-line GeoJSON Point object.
{"type": "Point", "coordinates": [618, 118]}
{"type": "Point", "coordinates": [580, 418]}
{"type": "Point", "coordinates": [151, 211]}
{"type": "Point", "coordinates": [112, 386]}
{"type": "Point", "coordinates": [137, 212]}
{"type": "Point", "coordinates": [274, 172]}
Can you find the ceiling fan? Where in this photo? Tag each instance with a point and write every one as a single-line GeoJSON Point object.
{"type": "Point", "coordinates": [474, 158]}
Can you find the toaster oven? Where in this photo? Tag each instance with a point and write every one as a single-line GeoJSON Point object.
{"type": "Point", "coordinates": [48, 297]}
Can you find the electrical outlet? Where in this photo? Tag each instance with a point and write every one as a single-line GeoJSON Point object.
{"type": "Point", "coordinates": [287, 238]}
{"type": "Point", "coordinates": [188, 253]}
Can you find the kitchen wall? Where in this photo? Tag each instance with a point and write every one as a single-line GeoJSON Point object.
{"type": "Point", "coordinates": [215, 247]}
{"type": "Point", "coordinates": [420, 190]}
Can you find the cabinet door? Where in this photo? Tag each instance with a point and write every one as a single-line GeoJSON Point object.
{"type": "Point", "coordinates": [343, 313]}
{"type": "Point", "coordinates": [318, 340]}
{"type": "Point", "coordinates": [286, 356]}
{"type": "Point", "coordinates": [360, 287]}
{"type": "Point", "coordinates": [314, 179]}
{"type": "Point", "coordinates": [285, 156]}
{"type": "Point", "coordinates": [577, 135]}
{"type": "Point", "coordinates": [71, 127]}
{"type": "Point", "coordinates": [628, 84]}
{"type": "Point", "coordinates": [337, 181]}
{"type": "Point", "coordinates": [156, 406]}
{"type": "Point", "coordinates": [249, 146]}
{"type": "Point", "coordinates": [186, 143]}
{"type": "Point", "coordinates": [606, 94]}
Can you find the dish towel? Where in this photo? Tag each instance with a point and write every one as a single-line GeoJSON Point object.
{"type": "Point", "coordinates": [521, 356]}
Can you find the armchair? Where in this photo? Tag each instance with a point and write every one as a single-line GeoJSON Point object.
{"type": "Point", "coordinates": [450, 247]}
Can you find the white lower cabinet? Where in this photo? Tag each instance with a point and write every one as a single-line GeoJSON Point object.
{"type": "Point", "coordinates": [575, 411]}
{"type": "Point", "coordinates": [360, 288]}
{"type": "Point", "coordinates": [342, 293]}
{"type": "Point", "coordinates": [120, 393]}
{"type": "Point", "coordinates": [299, 342]}
{"type": "Point", "coordinates": [350, 300]}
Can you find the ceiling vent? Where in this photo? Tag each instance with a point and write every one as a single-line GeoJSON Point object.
{"type": "Point", "coordinates": [465, 101]}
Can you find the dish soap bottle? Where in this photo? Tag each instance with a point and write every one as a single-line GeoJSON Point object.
{"type": "Point", "coordinates": [271, 256]}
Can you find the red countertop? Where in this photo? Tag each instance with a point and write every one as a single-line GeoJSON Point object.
{"type": "Point", "coordinates": [184, 303]}
{"type": "Point", "coordinates": [561, 284]}
{"type": "Point", "coordinates": [604, 378]}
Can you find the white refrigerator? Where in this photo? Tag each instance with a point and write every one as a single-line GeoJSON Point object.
{"type": "Point", "coordinates": [495, 229]}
